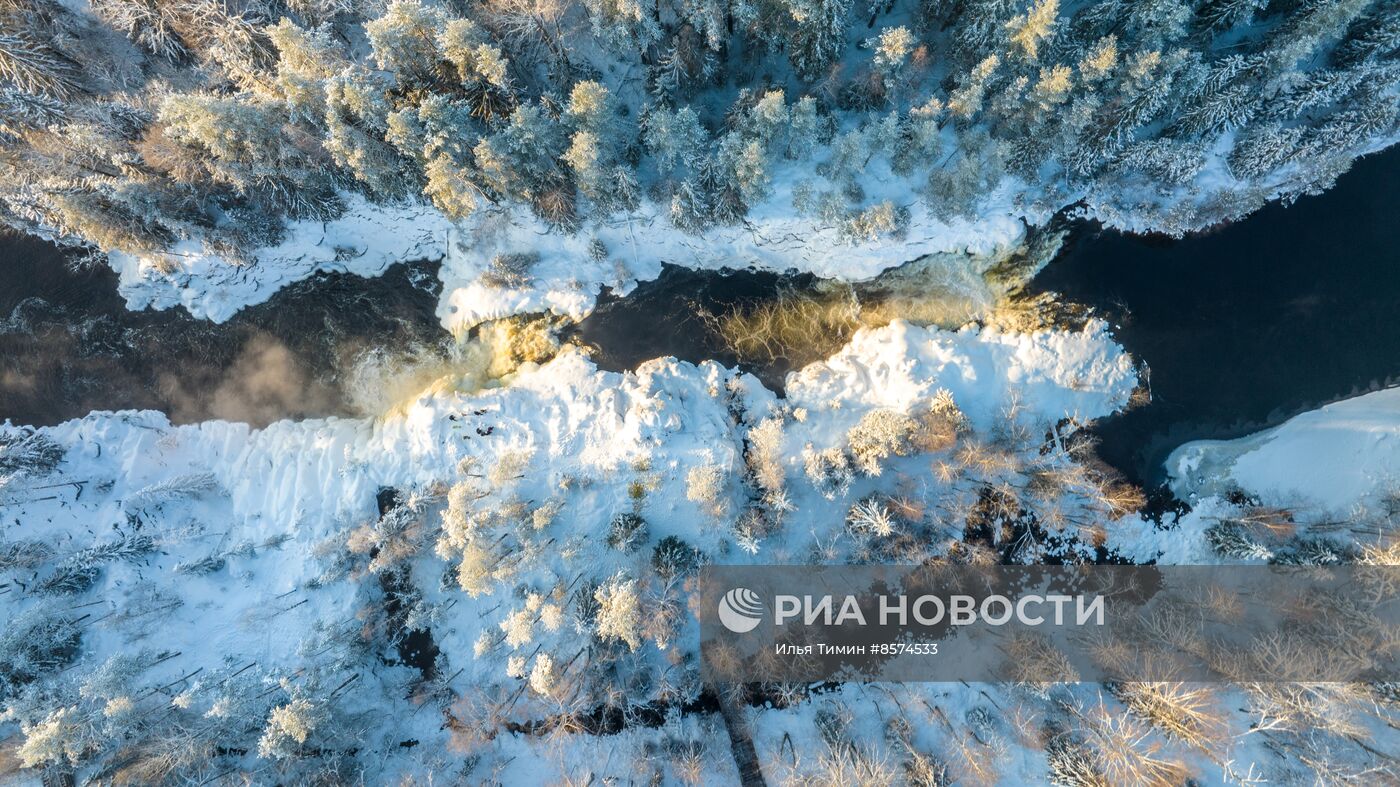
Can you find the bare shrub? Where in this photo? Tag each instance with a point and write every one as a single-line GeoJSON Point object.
{"type": "Point", "coordinates": [1125, 749]}
{"type": "Point", "coordinates": [510, 271]}
{"type": "Point", "coordinates": [1183, 712]}
{"type": "Point", "coordinates": [829, 470]}
{"type": "Point", "coordinates": [939, 426]}
{"type": "Point", "coordinates": [870, 517]}
{"type": "Point", "coordinates": [1072, 766]}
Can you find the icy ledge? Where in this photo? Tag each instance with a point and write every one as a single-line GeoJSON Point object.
{"type": "Point", "coordinates": [1334, 466]}
{"type": "Point", "coordinates": [1333, 458]}
{"type": "Point", "coordinates": [577, 419]}
{"type": "Point", "coordinates": [566, 275]}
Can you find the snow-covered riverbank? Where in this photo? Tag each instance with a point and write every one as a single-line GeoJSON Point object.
{"type": "Point", "coordinates": [199, 550]}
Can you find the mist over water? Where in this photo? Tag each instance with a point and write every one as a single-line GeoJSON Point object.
{"type": "Point", "coordinates": [1241, 327]}
{"type": "Point", "coordinates": [326, 346]}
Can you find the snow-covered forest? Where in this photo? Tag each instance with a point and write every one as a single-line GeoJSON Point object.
{"type": "Point", "coordinates": [786, 132]}
{"type": "Point", "coordinates": [490, 577]}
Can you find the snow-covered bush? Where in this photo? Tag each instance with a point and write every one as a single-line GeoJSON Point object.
{"type": "Point", "coordinates": [765, 457]}
{"type": "Point", "coordinates": [519, 627]}
{"type": "Point", "coordinates": [829, 470]}
{"type": "Point", "coordinates": [705, 485]}
{"type": "Point", "coordinates": [57, 739]}
{"type": "Point", "coordinates": [475, 570]}
{"type": "Point", "coordinates": [880, 434]}
{"type": "Point", "coordinates": [288, 727]}
{"type": "Point", "coordinates": [619, 612]}
{"type": "Point", "coordinates": [870, 517]}
{"type": "Point", "coordinates": [544, 676]}
{"type": "Point", "coordinates": [627, 532]}
{"type": "Point", "coordinates": [27, 453]}
{"type": "Point", "coordinates": [510, 271]}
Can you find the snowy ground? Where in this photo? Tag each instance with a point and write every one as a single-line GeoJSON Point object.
{"type": "Point", "coordinates": [266, 515]}
{"type": "Point", "coordinates": [1339, 456]}
{"type": "Point", "coordinates": [567, 276]}
{"type": "Point", "coordinates": [247, 586]}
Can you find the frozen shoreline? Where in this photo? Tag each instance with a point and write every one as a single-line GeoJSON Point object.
{"type": "Point", "coordinates": [571, 269]}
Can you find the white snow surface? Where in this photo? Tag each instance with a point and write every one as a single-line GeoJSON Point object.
{"type": "Point", "coordinates": [566, 280]}
{"type": "Point", "coordinates": [1335, 463]}
{"type": "Point", "coordinates": [288, 495]}
{"type": "Point", "coordinates": [364, 241]}
{"type": "Point", "coordinates": [1331, 458]}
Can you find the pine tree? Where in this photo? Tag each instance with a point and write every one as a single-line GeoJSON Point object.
{"type": "Point", "coordinates": [812, 31]}
{"type": "Point", "coordinates": [1225, 14]}
{"type": "Point", "coordinates": [1027, 30]}
{"type": "Point", "coordinates": [805, 129]}
{"type": "Point", "coordinates": [1165, 161]}
{"type": "Point", "coordinates": [767, 120]}
{"type": "Point", "coordinates": [746, 164]}
{"type": "Point", "coordinates": [357, 122]}
{"type": "Point", "coordinates": [21, 111]}
{"type": "Point", "coordinates": [434, 135]}
{"type": "Point", "coordinates": [966, 101]}
{"type": "Point", "coordinates": [306, 59]}
{"type": "Point", "coordinates": [521, 159]}
{"type": "Point", "coordinates": [892, 50]}
{"type": "Point", "coordinates": [242, 138]}
{"type": "Point", "coordinates": [1377, 36]}
{"type": "Point", "coordinates": [478, 63]}
{"type": "Point", "coordinates": [1315, 90]}
{"type": "Point", "coordinates": [981, 29]}
{"type": "Point", "coordinates": [404, 40]}
{"type": "Point", "coordinates": [1262, 149]}
{"type": "Point", "coordinates": [151, 24]}
{"type": "Point", "coordinates": [1155, 23]}
{"type": "Point", "coordinates": [1221, 110]}
{"type": "Point", "coordinates": [709, 18]}
{"type": "Point", "coordinates": [622, 24]}
{"type": "Point", "coordinates": [1100, 60]}
{"type": "Point", "coordinates": [32, 66]}
{"type": "Point", "coordinates": [674, 137]}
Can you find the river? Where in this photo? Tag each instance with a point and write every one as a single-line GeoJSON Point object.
{"type": "Point", "coordinates": [1241, 327]}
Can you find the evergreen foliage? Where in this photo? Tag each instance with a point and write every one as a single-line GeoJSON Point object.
{"type": "Point", "coordinates": [141, 123]}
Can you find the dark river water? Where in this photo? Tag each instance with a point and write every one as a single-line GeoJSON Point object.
{"type": "Point", "coordinates": [1248, 325]}
{"type": "Point", "coordinates": [69, 346]}
{"type": "Point", "coordinates": [1241, 327]}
